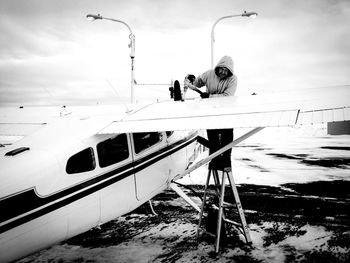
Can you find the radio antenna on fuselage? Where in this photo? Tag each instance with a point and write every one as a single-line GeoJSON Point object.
{"type": "Point", "coordinates": [118, 96]}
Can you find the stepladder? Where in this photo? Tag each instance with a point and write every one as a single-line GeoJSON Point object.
{"type": "Point", "coordinates": [224, 209]}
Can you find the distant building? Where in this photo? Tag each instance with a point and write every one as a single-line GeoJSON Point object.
{"type": "Point", "coordinates": [338, 127]}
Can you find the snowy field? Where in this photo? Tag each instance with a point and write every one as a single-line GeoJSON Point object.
{"type": "Point", "coordinates": [294, 186]}
{"type": "Point", "coordinates": [271, 156]}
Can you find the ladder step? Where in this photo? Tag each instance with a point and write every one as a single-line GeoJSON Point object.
{"type": "Point", "coordinates": [226, 204]}
{"type": "Point", "coordinates": [232, 222]}
{"type": "Point", "coordinates": [226, 219]}
{"type": "Point", "coordinates": [208, 233]}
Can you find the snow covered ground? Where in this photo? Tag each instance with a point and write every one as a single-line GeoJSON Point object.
{"type": "Point", "coordinates": [271, 157]}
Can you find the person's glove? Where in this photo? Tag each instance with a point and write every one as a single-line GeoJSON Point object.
{"type": "Point", "coordinates": [187, 83]}
{"type": "Point", "coordinates": [205, 95]}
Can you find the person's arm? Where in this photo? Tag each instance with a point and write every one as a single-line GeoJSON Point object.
{"type": "Point", "coordinates": [201, 80]}
{"type": "Point", "coordinates": [196, 83]}
{"type": "Point", "coordinates": [193, 87]}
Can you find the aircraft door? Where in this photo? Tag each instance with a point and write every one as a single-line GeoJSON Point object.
{"type": "Point", "coordinates": [150, 163]}
{"type": "Point", "coordinates": [178, 159]}
{"type": "Point", "coordinates": [114, 159]}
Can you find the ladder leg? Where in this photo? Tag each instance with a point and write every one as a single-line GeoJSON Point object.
{"type": "Point", "coordinates": [217, 181]}
{"type": "Point", "coordinates": [203, 203]}
{"type": "Point", "coordinates": [216, 177]}
{"type": "Point", "coordinates": [221, 203]}
{"type": "Point", "coordinates": [239, 208]}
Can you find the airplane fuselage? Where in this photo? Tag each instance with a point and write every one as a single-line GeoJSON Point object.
{"type": "Point", "coordinates": [62, 181]}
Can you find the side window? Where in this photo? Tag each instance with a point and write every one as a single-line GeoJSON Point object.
{"type": "Point", "coordinates": [144, 140]}
{"type": "Point", "coordinates": [113, 150]}
{"type": "Point", "coordinates": [83, 161]}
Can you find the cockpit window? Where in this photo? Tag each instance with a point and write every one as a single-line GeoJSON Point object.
{"type": "Point", "coordinates": [113, 150]}
{"type": "Point", "coordinates": [83, 161]}
{"type": "Point", "coordinates": [144, 140]}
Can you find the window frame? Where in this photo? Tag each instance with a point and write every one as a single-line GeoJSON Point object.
{"type": "Point", "coordinates": [109, 139]}
{"type": "Point", "coordinates": [161, 139]}
{"type": "Point", "coordinates": [93, 159]}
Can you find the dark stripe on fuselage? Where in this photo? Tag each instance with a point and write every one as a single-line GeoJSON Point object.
{"type": "Point", "coordinates": [27, 201]}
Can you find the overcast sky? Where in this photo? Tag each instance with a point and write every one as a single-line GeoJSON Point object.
{"type": "Point", "coordinates": [50, 53]}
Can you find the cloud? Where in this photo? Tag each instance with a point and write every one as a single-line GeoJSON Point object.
{"type": "Point", "coordinates": [49, 47]}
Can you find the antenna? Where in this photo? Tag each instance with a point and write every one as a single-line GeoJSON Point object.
{"type": "Point", "coordinates": [118, 96]}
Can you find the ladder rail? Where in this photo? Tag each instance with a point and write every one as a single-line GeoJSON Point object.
{"type": "Point", "coordinates": [220, 192]}
{"type": "Point", "coordinates": [239, 208]}
{"type": "Point", "coordinates": [203, 203]}
{"type": "Point", "coordinates": [219, 222]}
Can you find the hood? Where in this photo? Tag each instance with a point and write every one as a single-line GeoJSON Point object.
{"type": "Point", "coordinates": [226, 62]}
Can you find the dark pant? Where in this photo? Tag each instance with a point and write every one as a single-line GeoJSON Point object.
{"type": "Point", "coordinates": [218, 139]}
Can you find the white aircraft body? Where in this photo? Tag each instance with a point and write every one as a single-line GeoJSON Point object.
{"type": "Point", "coordinates": [81, 168]}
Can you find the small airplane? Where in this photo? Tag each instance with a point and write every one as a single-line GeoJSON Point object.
{"type": "Point", "coordinates": [77, 168]}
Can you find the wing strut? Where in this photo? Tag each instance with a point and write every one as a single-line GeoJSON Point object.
{"type": "Point", "coordinates": [218, 152]}
{"type": "Point", "coordinates": [181, 193]}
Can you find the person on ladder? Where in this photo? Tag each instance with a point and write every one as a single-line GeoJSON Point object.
{"type": "Point", "coordinates": [220, 81]}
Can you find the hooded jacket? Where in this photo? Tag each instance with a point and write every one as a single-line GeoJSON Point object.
{"type": "Point", "coordinates": [215, 85]}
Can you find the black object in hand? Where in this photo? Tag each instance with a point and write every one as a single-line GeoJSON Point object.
{"type": "Point", "coordinates": [205, 95]}
{"type": "Point", "coordinates": [191, 78]}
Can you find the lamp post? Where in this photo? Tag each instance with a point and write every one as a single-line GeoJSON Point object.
{"type": "Point", "coordinates": [245, 14]}
{"type": "Point", "coordinates": [131, 46]}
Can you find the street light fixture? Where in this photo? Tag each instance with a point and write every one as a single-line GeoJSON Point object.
{"type": "Point", "coordinates": [91, 17]}
{"type": "Point", "coordinates": [245, 14]}
{"type": "Point", "coordinates": [131, 46]}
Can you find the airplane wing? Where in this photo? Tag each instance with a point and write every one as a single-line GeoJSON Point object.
{"type": "Point", "coordinates": [21, 121]}
{"type": "Point", "coordinates": [299, 107]}
{"type": "Point", "coordinates": [18, 122]}
{"type": "Point", "coordinates": [15, 123]}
